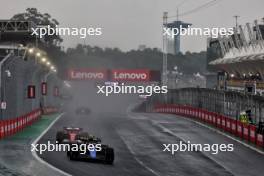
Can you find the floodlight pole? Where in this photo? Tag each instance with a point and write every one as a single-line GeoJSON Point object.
{"type": "Point", "coordinates": [164, 50]}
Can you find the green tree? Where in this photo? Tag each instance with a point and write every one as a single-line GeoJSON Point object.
{"type": "Point", "coordinates": [33, 15]}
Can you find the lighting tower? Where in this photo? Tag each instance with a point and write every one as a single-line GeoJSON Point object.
{"type": "Point", "coordinates": [164, 48]}
{"type": "Point", "coordinates": [177, 38]}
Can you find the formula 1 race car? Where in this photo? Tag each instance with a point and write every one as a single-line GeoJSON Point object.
{"type": "Point", "coordinates": [105, 154]}
{"type": "Point", "coordinates": [71, 134]}
{"type": "Point", "coordinates": [83, 111]}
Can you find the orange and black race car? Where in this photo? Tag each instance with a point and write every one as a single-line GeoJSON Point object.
{"type": "Point", "coordinates": [72, 134]}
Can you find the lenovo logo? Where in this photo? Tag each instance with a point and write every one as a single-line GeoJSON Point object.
{"type": "Point", "coordinates": [130, 75]}
{"type": "Point", "coordinates": [115, 75]}
{"type": "Point", "coordinates": [86, 74]}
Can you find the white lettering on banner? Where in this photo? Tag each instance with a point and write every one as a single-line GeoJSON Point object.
{"type": "Point", "coordinates": [86, 75]}
{"type": "Point", "coordinates": [260, 137]}
{"type": "Point", "coordinates": [252, 133]}
{"type": "Point", "coordinates": [245, 131]}
{"type": "Point", "coordinates": [131, 75]}
{"type": "Point", "coordinates": [138, 76]}
{"type": "Point", "coordinates": [3, 105]}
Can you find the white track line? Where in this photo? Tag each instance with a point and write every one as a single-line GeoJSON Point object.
{"type": "Point", "coordinates": [35, 155]}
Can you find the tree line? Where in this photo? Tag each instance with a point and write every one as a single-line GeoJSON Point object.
{"type": "Point", "coordinates": [87, 56]}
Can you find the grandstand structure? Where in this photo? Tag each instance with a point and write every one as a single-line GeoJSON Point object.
{"type": "Point", "coordinates": [239, 59]}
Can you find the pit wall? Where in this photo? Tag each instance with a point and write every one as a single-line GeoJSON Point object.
{"type": "Point", "coordinates": [12, 126]}
{"type": "Point", "coordinates": [14, 94]}
{"type": "Point", "coordinates": [245, 132]}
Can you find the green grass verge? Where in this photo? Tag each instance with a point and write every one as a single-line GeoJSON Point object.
{"type": "Point", "coordinates": [34, 130]}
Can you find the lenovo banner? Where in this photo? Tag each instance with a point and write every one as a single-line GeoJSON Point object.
{"type": "Point", "coordinates": [44, 88]}
{"type": "Point", "coordinates": [87, 74]}
{"type": "Point", "coordinates": [56, 91]}
{"type": "Point", "coordinates": [130, 75]}
{"type": "Point", "coordinates": [31, 91]}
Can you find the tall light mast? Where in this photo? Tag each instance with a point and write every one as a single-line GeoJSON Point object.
{"type": "Point", "coordinates": [164, 50]}
{"type": "Point", "coordinates": [236, 20]}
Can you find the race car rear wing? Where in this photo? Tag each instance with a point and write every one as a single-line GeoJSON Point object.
{"type": "Point", "coordinates": [72, 128]}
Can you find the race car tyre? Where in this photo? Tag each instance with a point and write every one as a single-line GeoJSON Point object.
{"type": "Point", "coordinates": [59, 136]}
{"type": "Point", "coordinates": [83, 135]}
{"type": "Point", "coordinates": [110, 156]}
{"type": "Point", "coordinates": [73, 155]}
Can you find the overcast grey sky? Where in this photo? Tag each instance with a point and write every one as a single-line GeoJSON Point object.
{"type": "Point", "coordinates": [129, 23]}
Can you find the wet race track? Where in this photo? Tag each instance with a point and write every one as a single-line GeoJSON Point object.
{"type": "Point", "coordinates": [138, 139]}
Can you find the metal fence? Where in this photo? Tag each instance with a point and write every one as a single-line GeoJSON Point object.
{"type": "Point", "coordinates": [228, 103]}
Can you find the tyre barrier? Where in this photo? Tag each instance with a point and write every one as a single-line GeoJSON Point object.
{"type": "Point", "coordinates": [246, 132]}
{"type": "Point", "coordinates": [12, 126]}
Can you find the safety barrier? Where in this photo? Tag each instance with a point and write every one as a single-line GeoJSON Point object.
{"type": "Point", "coordinates": [12, 126]}
{"type": "Point", "coordinates": [246, 132]}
